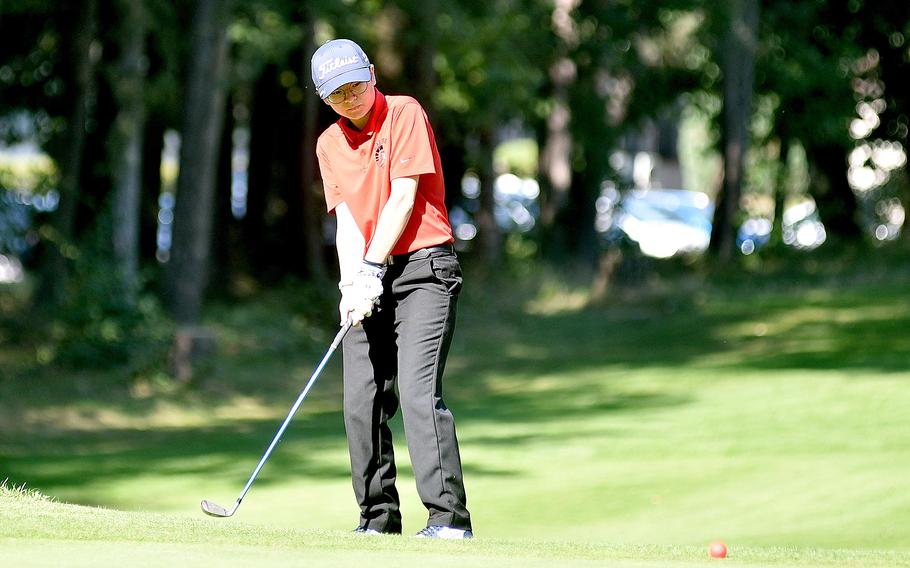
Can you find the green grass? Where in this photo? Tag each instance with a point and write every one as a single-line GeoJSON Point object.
{"type": "Point", "coordinates": [38, 531]}
{"type": "Point", "coordinates": [768, 412]}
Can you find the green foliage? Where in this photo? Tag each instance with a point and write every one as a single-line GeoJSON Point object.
{"type": "Point", "coordinates": [489, 73]}
{"type": "Point", "coordinates": [265, 34]}
{"type": "Point", "coordinates": [100, 325]}
{"type": "Point", "coordinates": [518, 156]}
{"type": "Point", "coordinates": [291, 315]}
{"type": "Point", "coordinates": [630, 63]}
{"type": "Point", "coordinates": [808, 68]}
{"type": "Point", "coordinates": [699, 160]}
{"type": "Point", "coordinates": [96, 329]}
{"type": "Point", "coordinates": [34, 175]}
{"type": "Point", "coordinates": [168, 24]}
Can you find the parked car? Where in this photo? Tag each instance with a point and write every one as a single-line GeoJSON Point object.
{"type": "Point", "coordinates": [516, 208]}
{"type": "Point", "coordinates": [660, 223]}
{"type": "Point", "coordinates": [663, 223]}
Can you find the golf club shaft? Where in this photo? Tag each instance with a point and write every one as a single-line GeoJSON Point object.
{"type": "Point", "coordinates": [306, 389]}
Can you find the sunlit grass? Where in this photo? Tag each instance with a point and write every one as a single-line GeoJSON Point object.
{"type": "Point", "coordinates": [766, 414]}
{"type": "Point", "coordinates": [37, 531]}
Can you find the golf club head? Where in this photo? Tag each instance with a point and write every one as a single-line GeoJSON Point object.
{"type": "Point", "coordinates": [215, 510]}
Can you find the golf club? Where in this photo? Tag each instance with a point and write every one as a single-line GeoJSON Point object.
{"type": "Point", "coordinates": [216, 510]}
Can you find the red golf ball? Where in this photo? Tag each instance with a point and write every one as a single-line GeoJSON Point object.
{"type": "Point", "coordinates": [717, 549]}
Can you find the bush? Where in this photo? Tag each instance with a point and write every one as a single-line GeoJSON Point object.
{"type": "Point", "coordinates": [102, 331]}
{"type": "Point", "coordinates": [101, 324]}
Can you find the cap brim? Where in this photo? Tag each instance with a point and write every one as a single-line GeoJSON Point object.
{"type": "Point", "coordinates": [353, 76]}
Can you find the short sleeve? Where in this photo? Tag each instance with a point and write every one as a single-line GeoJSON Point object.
{"type": "Point", "coordinates": [329, 182]}
{"type": "Point", "coordinates": [411, 147]}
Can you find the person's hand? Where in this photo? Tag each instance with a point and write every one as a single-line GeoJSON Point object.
{"type": "Point", "coordinates": [361, 295]}
{"type": "Point", "coordinates": [353, 306]}
{"type": "Point", "coordinates": [346, 303]}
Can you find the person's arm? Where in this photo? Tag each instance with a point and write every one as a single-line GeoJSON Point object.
{"type": "Point", "coordinates": [348, 242]}
{"type": "Point", "coordinates": [393, 219]}
{"type": "Point", "coordinates": [366, 272]}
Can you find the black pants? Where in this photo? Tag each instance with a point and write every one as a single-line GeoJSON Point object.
{"type": "Point", "coordinates": [407, 339]}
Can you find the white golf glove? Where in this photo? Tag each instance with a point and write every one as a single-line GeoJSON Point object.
{"type": "Point", "coordinates": [361, 295]}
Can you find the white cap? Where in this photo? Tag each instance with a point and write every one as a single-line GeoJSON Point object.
{"type": "Point", "coordinates": [336, 63]}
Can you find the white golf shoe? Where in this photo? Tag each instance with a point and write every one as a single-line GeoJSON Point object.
{"type": "Point", "coordinates": [437, 531]}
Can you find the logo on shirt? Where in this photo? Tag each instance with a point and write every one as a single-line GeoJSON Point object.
{"type": "Point", "coordinates": [379, 154]}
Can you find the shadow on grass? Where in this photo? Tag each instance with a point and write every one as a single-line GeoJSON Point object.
{"type": "Point", "coordinates": [851, 331]}
{"type": "Point", "coordinates": [61, 460]}
{"type": "Point", "coordinates": [67, 459]}
{"type": "Point", "coordinates": [506, 367]}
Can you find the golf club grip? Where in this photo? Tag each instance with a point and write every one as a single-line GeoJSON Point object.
{"type": "Point", "coordinates": [340, 335]}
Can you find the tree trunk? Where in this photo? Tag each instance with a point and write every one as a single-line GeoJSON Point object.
{"type": "Point", "coordinates": [738, 62]}
{"type": "Point", "coordinates": [55, 267]}
{"type": "Point", "coordinates": [151, 185]}
{"type": "Point", "coordinates": [555, 164]}
{"type": "Point", "coordinates": [607, 266]}
{"type": "Point", "coordinates": [453, 169]}
{"type": "Point", "coordinates": [264, 124]}
{"type": "Point", "coordinates": [310, 200]}
{"type": "Point", "coordinates": [126, 145]}
{"type": "Point", "coordinates": [904, 196]}
{"type": "Point", "coordinates": [290, 225]}
{"type": "Point", "coordinates": [556, 142]}
{"type": "Point", "coordinates": [425, 16]}
{"type": "Point", "coordinates": [223, 253]}
{"type": "Point", "coordinates": [837, 207]}
{"type": "Point", "coordinates": [489, 237]}
{"type": "Point", "coordinates": [781, 192]}
{"type": "Point", "coordinates": [579, 215]}
{"type": "Point", "coordinates": [556, 159]}
{"type": "Point", "coordinates": [194, 208]}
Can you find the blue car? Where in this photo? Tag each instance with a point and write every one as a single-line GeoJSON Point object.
{"type": "Point", "coordinates": [663, 223]}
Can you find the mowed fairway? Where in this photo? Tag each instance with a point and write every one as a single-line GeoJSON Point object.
{"type": "Point", "coordinates": [38, 532]}
{"type": "Point", "coordinates": [770, 416]}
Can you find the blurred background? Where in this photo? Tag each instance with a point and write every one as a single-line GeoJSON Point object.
{"type": "Point", "coordinates": [682, 224]}
{"type": "Point", "coordinates": [156, 154]}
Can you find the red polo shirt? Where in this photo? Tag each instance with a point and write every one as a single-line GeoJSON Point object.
{"type": "Point", "coordinates": [358, 167]}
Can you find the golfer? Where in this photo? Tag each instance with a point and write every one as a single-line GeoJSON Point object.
{"type": "Point", "coordinates": [400, 281]}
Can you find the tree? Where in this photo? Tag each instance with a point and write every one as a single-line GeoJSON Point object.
{"type": "Point", "coordinates": [489, 74]}
{"type": "Point", "coordinates": [556, 150]}
{"type": "Point", "coordinates": [77, 56]}
{"type": "Point", "coordinates": [822, 64]}
{"type": "Point", "coordinates": [631, 62]}
{"type": "Point", "coordinates": [126, 152]}
{"type": "Point", "coordinates": [206, 94]}
{"type": "Point", "coordinates": [312, 220]}
{"type": "Point", "coordinates": [738, 63]}
{"type": "Point", "coordinates": [884, 30]}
